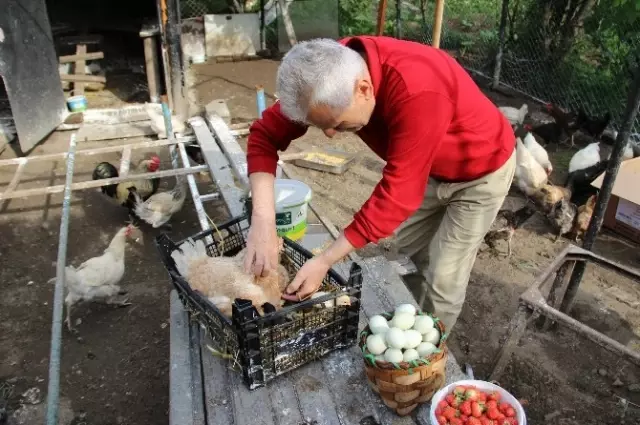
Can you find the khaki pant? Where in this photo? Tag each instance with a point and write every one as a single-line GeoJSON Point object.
{"type": "Point", "coordinates": [443, 236]}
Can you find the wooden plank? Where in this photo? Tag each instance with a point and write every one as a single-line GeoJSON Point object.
{"type": "Point", "coordinates": [97, 183]}
{"type": "Point", "coordinates": [79, 69]}
{"type": "Point", "coordinates": [217, 396]}
{"type": "Point", "coordinates": [227, 142]}
{"type": "Point", "coordinates": [284, 402]}
{"type": "Point", "coordinates": [80, 39]}
{"type": "Point", "coordinates": [197, 400]}
{"type": "Point", "coordinates": [125, 162]}
{"type": "Point", "coordinates": [218, 165]}
{"type": "Point", "coordinates": [314, 396]}
{"type": "Point", "coordinates": [83, 78]}
{"type": "Point", "coordinates": [250, 407]}
{"type": "Point", "coordinates": [94, 132]}
{"type": "Point", "coordinates": [96, 151]}
{"type": "Point", "coordinates": [84, 56]}
{"type": "Point", "coordinates": [13, 183]}
{"type": "Point", "coordinates": [129, 113]}
{"type": "Point", "coordinates": [181, 389]}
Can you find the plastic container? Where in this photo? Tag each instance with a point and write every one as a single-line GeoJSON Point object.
{"type": "Point", "coordinates": [77, 103]}
{"type": "Point", "coordinates": [264, 347]}
{"type": "Point", "coordinates": [292, 203]}
{"type": "Point", "coordinates": [481, 385]}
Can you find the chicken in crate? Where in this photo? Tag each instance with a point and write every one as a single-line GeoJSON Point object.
{"type": "Point", "coordinates": [249, 323]}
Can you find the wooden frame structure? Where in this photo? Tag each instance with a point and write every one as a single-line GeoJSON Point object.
{"type": "Point", "coordinates": [437, 21]}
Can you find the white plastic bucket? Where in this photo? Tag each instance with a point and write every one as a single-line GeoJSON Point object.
{"type": "Point", "coordinates": [481, 385]}
{"type": "Point", "coordinates": [292, 201]}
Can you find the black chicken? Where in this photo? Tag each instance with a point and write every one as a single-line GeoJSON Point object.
{"type": "Point", "coordinates": [505, 225]}
{"type": "Point", "coordinates": [550, 132]}
{"type": "Point", "coordinates": [121, 192]}
{"type": "Point", "coordinates": [567, 120]}
{"type": "Point", "coordinates": [579, 182]}
{"type": "Point", "coordinates": [593, 126]}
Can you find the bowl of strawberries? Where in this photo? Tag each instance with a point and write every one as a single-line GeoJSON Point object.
{"type": "Point", "coordinates": [474, 402]}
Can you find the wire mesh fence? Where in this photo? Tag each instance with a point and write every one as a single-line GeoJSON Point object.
{"type": "Point", "coordinates": [578, 55]}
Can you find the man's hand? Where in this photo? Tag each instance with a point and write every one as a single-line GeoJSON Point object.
{"type": "Point", "coordinates": [262, 246]}
{"type": "Point", "coordinates": [309, 278]}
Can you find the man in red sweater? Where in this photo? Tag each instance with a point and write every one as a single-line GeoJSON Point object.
{"type": "Point", "coordinates": [449, 152]}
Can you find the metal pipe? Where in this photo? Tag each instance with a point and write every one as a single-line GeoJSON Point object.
{"type": "Point", "coordinates": [633, 102]}
{"type": "Point", "coordinates": [53, 390]}
{"type": "Point", "coordinates": [261, 102]}
{"type": "Point", "coordinates": [501, 40]}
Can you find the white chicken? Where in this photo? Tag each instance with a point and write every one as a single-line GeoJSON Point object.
{"type": "Point", "coordinates": [97, 278]}
{"type": "Point", "coordinates": [529, 175]}
{"type": "Point", "coordinates": [223, 279]}
{"type": "Point", "coordinates": [593, 154]}
{"type": "Point", "coordinates": [158, 209]}
{"type": "Point", "coordinates": [538, 152]}
{"type": "Point", "coordinates": [7, 131]}
{"type": "Point", "coordinates": [154, 110]}
{"type": "Point", "coordinates": [514, 115]}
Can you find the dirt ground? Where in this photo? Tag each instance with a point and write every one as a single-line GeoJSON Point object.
{"type": "Point", "coordinates": [566, 379]}
{"type": "Point", "coordinates": [116, 370]}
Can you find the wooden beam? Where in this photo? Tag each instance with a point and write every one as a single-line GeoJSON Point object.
{"type": "Point", "coordinates": [96, 151]}
{"type": "Point", "coordinates": [437, 24]}
{"type": "Point", "coordinates": [83, 78]}
{"type": "Point", "coordinates": [102, 182]}
{"type": "Point", "coordinates": [87, 56]}
{"type": "Point", "coordinates": [382, 11]}
{"type": "Point", "coordinates": [79, 69]}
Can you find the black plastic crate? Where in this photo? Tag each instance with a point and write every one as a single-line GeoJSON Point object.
{"type": "Point", "coordinates": [268, 346]}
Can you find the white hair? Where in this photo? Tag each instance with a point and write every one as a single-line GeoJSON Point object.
{"type": "Point", "coordinates": [317, 72]}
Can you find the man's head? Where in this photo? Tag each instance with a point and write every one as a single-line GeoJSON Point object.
{"type": "Point", "coordinates": [327, 85]}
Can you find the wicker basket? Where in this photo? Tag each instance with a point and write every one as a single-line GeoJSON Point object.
{"type": "Point", "coordinates": [403, 386]}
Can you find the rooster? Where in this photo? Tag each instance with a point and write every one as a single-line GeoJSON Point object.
{"type": "Point", "coordinates": [122, 192]}
{"type": "Point", "coordinates": [562, 216]}
{"type": "Point", "coordinates": [98, 277]}
{"type": "Point", "coordinates": [593, 126]}
{"type": "Point", "coordinates": [158, 208]}
{"type": "Point", "coordinates": [223, 279]}
{"type": "Point", "coordinates": [566, 120]}
{"type": "Point", "coordinates": [505, 225]}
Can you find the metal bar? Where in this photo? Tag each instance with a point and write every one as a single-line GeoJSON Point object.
{"type": "Point", "coordinates": [102, 182]}
{"type": "Point", "coordinates": [209, 197]}
{"type": "Point", "coordinates": [14, 181]}
{"type": "Point", "coordinates": [504, 14]}
{"type": "Point", "coordinates": [125, 162]}
{"type": "Point", "coordinates": [631, 111]}
{"type": "Point", "coordinates": [53, 391]}
{"type": "Point", "coordinates": [537, 303]}
{"type": "Point", "coordinates": [96, 151]}
{"type": "Point", "coordinates": [260, 100]}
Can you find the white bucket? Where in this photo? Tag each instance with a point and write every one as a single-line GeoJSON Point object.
{"type": "Point", "coordinates": [292, 201]}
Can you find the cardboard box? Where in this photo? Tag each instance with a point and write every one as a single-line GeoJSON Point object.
{"type": "Point", "coordinates": [623, 211]}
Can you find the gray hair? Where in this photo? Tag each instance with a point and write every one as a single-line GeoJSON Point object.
{"type": "Point", "coordinates": [317, 72]}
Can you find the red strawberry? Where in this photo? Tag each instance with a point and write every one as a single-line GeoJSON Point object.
{"type": "Point", "coordinates": [474, 421]}
{"type": "Point", "coordinates": [450, 398]}
{"type": "Point", "coordinates": [495, 395]}
{"type": "Point", "coordinates": [465, 418]}
{"type": "Point", "coordinates": [492, 403]}
{"type": "Point", "coordinates": [482, 396]}
{"type": "Point", "coordinates": [486, 421]}
{"type": "Point", "coordinates": [456, 421]}
{"type": "Point", "coordinates": [509, 412]}
{"type": "Point", "coordinates": [465, 408]}
{"type": "Point", "coordinates": [443, 404]}
{"type": "Point", "coordinates": [476, 410]}
{"type": "Point", "coordinates": [459, 390]}
{"type": "Point", "coordinates": [442, 420]}
{"type": "Point", "coordinates": [471, 394]}
{"type": "Point", "coordinates": [493, 413]}
{"type": "Point", "coordinates": [449, 412]}
{"type": "Point", "coordinates": [509, 421]}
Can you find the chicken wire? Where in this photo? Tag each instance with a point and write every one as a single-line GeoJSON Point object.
{"type": "Point", "coordinates": [584, 65]}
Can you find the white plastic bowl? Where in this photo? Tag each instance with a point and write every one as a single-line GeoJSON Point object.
{"type": "Point", "coordinates": [481, 385]}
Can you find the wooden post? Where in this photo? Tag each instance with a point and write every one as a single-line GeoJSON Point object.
{"type": "Point", "coordinates": [78, 85]}
{"type": "Point", "coordinates": [382, 11]}
{"type": "Point", "coordinates": [152, 68]}
{"type": "Point", "coordinates": [288, 24]}
{"type": "Point", "coordinates": [501, 40]}
{"type": "Point", "coordinates": [437, 24]}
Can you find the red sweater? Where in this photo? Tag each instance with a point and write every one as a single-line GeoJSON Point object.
{"type": "Point", "coordinates": [430, 119]}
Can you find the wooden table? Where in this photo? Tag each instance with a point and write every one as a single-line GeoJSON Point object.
{"type": "Point", "coordinates": [330, 391]}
